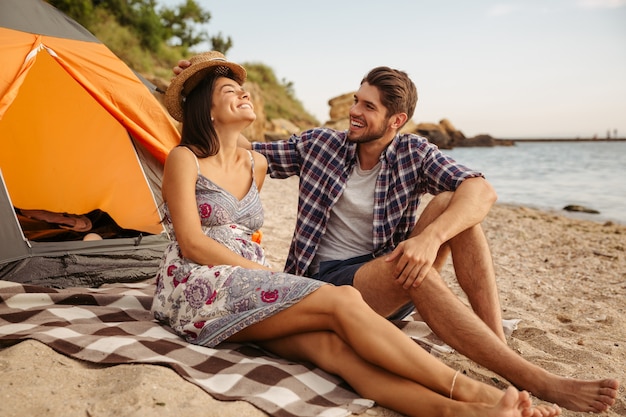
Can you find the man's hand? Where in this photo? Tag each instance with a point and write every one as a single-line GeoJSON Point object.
{"type": "Point", "coordinates": [414, 258]}
{"type": "Point", "coordinates": [468, 206]}
{"type": "Point", "coordinates": [182, 64]}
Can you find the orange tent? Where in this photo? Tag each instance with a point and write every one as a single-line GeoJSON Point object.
{"type": "Point", "coordinates": [79, 130]}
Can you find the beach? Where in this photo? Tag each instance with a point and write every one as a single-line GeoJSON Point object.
{"type": "Point", "coordinates": [563, 278]}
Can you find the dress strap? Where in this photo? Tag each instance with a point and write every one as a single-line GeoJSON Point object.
{"type": "Point", "coordinates": [194, 156]}
{"type": "Point", "coordinates": [251, 162]}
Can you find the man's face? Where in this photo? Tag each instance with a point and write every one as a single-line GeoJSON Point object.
{"type": "Point", "coordinates": [368, 116]}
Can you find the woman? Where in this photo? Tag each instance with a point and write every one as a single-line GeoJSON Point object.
{"type": "Point", "coordinates": [214, 284]}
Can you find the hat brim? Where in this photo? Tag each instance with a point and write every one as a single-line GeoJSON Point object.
{"type": "Point", "coordinates": [190, 77]}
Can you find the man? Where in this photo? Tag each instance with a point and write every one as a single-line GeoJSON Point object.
{"type": "Point", "coordinates": [359, 194]}
{"type": "Point", "coordinates": [357, 224]}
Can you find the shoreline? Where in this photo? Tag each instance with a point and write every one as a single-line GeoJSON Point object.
{"type": "Point", "coordinates": [564, 278]}
{"type": "Point", "coordinates": [568, 140]}
{"type": "Point", "coordinates": [597, 218]}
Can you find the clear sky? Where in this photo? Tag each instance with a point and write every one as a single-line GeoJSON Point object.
{"type": "Point", "coordinates": [511, 69]}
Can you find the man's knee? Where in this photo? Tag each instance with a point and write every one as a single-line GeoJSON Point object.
{"type": "Point", "coordinates": [376, 283]}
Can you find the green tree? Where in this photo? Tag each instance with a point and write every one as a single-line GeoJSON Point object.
{"type": "Point", "coordinates": [179, 27]}
{"type": "Point", "coordinates": [139, 16]}
{"type": "Point", "coordinates": [80, 10]}
{"type": "Point", "coordinates": [183, 24]}
{"type": "Point", "coordinates": [220, 44]}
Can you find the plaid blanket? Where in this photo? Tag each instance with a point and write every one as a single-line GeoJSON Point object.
{"type": "Point", "coordinates": [113, 325]}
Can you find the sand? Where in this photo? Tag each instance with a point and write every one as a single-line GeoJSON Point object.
{"type": "Point", "coordinates": [564, 278]}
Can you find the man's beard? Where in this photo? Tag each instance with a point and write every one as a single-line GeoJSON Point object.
{"type": "Point", "coordinates": [368, 136]}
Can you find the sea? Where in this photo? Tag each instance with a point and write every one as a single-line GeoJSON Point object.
{"type": "Point", "coordinates": [550, 175]}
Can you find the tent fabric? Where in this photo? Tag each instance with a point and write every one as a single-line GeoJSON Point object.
{"type": "Point", "coordinates": [24, 15]}
{"type": "Point", "coordinates": [79, 130]}
{"type": "Point", "coordinates": [12, 245]}
{"type": "Point", "coordinates": [100, 262]}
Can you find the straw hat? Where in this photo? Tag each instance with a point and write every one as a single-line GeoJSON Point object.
{"type": "Point", "coordinates": [190, 77]}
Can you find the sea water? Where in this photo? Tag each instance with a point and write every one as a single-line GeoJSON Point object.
{"type": "Point", "coordinates": [552, 175]}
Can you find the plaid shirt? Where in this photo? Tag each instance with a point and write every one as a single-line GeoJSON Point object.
{"type": "Point", "coordinates": [324, 158]}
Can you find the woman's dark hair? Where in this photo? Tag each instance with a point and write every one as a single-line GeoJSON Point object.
{"type": "Point", "coordinates": [198, 133]}
{"type": "Point", "coordinates": [397, 92]}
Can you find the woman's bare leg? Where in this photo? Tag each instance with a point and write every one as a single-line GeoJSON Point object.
{"type": "Point", "coordinates": [342, 311]}
{"type": "Point", "coordinates": [330, 353]}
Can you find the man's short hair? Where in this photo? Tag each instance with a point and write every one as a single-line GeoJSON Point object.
{"type": "Point", "coordinates": [397, 92]}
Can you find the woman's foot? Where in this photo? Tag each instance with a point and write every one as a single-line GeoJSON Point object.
{"type": "Point", "coordinates": [518, 404]}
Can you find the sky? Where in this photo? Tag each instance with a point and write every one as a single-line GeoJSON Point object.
{"type": "Point", "coordinates": [510, 69]}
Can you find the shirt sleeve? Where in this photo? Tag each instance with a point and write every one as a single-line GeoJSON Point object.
{"type": "Point", "coordinates": [443, 173]}
{"type": "Point", "coordinates": [283, 157]}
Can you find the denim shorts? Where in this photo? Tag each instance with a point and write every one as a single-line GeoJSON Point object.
{"type": "Point", "coordinates": [342, 273]}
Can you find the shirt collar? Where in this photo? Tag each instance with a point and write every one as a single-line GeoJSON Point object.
{"type": "Point", "coordinates": [392, 150]}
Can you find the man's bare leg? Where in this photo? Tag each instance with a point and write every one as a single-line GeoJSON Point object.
{"type": "Point", "coordinates": [475, 273]}
{"type": "Point", "coordinates": [463, 330]}
{"type": "Point", "coordinates": [473, 265]}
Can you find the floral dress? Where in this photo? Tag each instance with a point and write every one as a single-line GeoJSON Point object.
{"type": "Point", "coordinates": [206, 304]}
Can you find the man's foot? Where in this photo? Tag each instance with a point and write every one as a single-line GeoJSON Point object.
{"type": "Point", "coordinates": [579, 395]}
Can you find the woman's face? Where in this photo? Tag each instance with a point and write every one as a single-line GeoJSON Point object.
{"type": "Point", "coordinates": [231, 103]}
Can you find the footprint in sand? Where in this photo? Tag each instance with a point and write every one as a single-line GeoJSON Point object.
{"type": "Point", "coordinates": [556, 351]}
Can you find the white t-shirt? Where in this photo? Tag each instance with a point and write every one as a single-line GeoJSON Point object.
{"type": "Point", "coordinates": [349, 229]}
